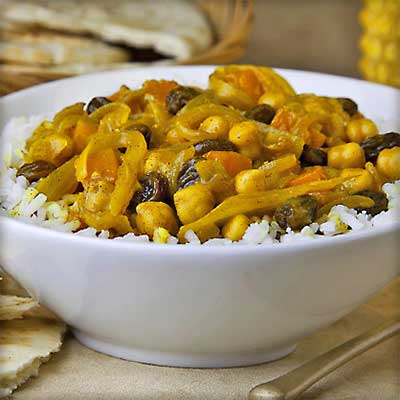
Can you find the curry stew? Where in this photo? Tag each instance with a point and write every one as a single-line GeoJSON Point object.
{"type": "Point", "coordinates": [165, 158]}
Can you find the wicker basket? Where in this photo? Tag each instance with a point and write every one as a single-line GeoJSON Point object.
{"type": "Point", "coordinates": [230, 19]}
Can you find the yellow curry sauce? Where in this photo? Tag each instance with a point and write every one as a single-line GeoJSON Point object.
{"type": "Point", "coordinates": [165, 159]}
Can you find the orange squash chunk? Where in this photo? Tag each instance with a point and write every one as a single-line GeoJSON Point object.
{"type": "Point", "coordinates": [232, 162]}
{"type": "Point", "coordinates": [105, 163]}
{"type": "Point", "coordinates": [159, 89]}
{"type": "Point", "coordinates": [247, 81]}
{"type": "Point", "coordinates": [82, 132]}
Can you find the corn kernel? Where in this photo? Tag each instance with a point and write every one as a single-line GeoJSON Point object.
{"type": "Point", "coordinates": [379, 42]}
{"type": "Point", "coordinates": [388, 163]}
{"type": "Point", "coordinates": [360, 129]}
{"type": "Point", "coordinates": [161, 235]}
{"type": "Point", "coordinates": [349, 155]}
{"type": "Point", "coordinates": [250, 181]}
{"type": "Point", "coordinates": [235, 227]}
{"type": "Point", "coordinates": [193, 202]}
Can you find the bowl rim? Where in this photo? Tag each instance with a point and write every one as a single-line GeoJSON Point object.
{"type": "Point", "coordinates": [184, 249]}
{"type": "Point", "coordinates": [35, 88]}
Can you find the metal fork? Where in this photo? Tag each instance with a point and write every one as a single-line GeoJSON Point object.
{"type": "Point", "coordinates": [292, 384]}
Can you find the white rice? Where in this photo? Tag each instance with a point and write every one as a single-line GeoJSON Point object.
{"type": "Point", "coordinates": [20, 200]}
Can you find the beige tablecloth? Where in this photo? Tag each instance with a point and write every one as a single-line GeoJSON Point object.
{"type": "Point", "coordinates": [79, 373]}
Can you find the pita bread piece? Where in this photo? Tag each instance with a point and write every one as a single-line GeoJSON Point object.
{"type": "Point", "coordinates": [13, 307]}
{"type": "Point", "coordinates": [24, 346]}
{"type": "Point", "coordinates": [14, 301]}
{"type": "Point", "coordinates": [48, 48]}
{"type": "Point", "coordinates": [9, 286]}
{"type": "Point", "coordinates": [58, 71]}
{"type": "Point", "coordinates": [175, 28]}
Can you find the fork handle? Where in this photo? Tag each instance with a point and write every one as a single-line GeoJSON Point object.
{"type": "Point", "coordinates": [292, 384]}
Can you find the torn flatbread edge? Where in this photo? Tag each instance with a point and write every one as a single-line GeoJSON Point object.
{"type": "Point", "coordinates": [53, 48]}
{"type": "Point", "coordinates": [14, 307]}
{"type": "Point", "coordinates": [75, 69]}
{"type": "Point", "coordinates": [10, 382]}
{"type": "Point", "coordinates": [177, 45]}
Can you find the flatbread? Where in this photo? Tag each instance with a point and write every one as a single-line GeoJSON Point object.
{"type": "Point", "coordinates": [176, 28]}
{"type": "Point", "coordinates": [25, 342]}
{"type": "Point", "coordinates": [49, 48]}
{"type": "Point", "coordinates": [14, 307]}
{"type": "Point", "coordinates": [9, 286]}
{"type": "Point", "coordinates": [16, 303]}
{"type": "Point", "coordinates": [24, 346]}
{"type": "Point", "coordinates": [58, 71]}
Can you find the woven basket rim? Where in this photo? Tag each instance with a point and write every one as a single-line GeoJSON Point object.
{"type": "Point", "coordinates": [229, 46]}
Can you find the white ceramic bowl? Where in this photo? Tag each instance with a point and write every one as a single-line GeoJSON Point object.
{"type": "Point", "coordinates": [192, 305]}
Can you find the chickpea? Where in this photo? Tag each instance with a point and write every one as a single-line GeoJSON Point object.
{"type": "Point", "coordinates": [273, 99]}
{"type": "Point", "coordinates": [215, 125]}
{"type": "Point", "coordinates": [245, 136]}
{"type": "Point", "coordinates": [98, 193]}
{"type": "Point", "coordinates": [250, 181]}
{"type": "Point", "coordinates": [243, 133]}
{"type": "Point", "coordinates": [235, 227]}
{"type": "Point", "coordinates": [193, 202]}
{"type": "Point", "coordinates": [360, 129]}
{"type": "Point", "coordinates": [388, 163]}
{"type": "Point", "coordinates": [155, 214]}
{"type": "Point", "coordinates": [349, 155]}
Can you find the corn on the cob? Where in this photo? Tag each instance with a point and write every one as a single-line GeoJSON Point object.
{"type": "Point", "coordinates": [380, 41]}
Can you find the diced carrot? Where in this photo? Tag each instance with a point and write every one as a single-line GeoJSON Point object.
{"type": "Point", "coordinates": [105, 163]}
{"type": "Point", "coordinates": [232, 162]}
{"type": "Point", "coordinates": [82, 132]}
{"type": "Point", "coordinates": [312, 174]}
